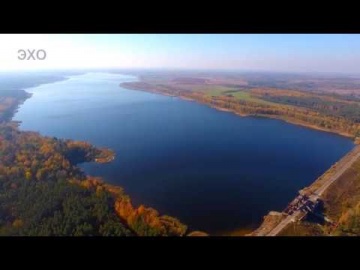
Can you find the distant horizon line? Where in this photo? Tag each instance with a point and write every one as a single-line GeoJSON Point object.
{"type": "Point", "coordinates": [177, 69]}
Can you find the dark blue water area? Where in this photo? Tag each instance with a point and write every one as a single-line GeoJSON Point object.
{"type": "Point", "coordinates": [213, 170]}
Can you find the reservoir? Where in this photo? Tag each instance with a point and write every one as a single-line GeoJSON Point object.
{"type": "Point", "coordinates": [215, 171]}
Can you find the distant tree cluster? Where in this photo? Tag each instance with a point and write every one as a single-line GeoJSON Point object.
{"type": "Point", "coordinates": [294, 114]}
{"type": "Point", "coordinates": [350, 111]}
{"type": "Point", "coordinates": [9, 101]}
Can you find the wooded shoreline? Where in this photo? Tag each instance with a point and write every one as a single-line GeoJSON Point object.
{"type": "Point", "coordinates": [134, 86]}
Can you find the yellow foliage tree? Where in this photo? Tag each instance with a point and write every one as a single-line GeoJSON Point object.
{"type": "Point", "coordinates": [28, 175]}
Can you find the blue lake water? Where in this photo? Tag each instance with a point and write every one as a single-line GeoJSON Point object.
{"type": "Point", "coordinates": [213, 170]}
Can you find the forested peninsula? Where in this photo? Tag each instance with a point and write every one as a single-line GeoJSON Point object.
{"type": "Point", "coordinates": [44, 193]}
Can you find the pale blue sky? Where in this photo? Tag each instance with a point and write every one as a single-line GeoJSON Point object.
{"type": "Point", "coordinates": [281, 52]}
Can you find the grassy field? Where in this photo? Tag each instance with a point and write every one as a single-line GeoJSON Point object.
{"type": "Point", "coordinates": [238, 94]}
{"type": "Point", "coordinates": [246, 95]}
{"type": "Point", "coordinates": [216, 90]}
